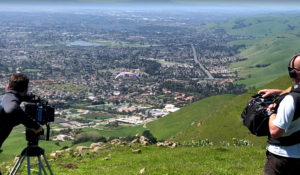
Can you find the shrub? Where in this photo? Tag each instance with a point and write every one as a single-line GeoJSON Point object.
{"type": "Point", "coordinates": [92, 136]}
{"type": "Point", "coordinates": [101, 139]}
{"type": "Point", "coordinates": [242, 142]}
{"type": "Point", "coordinates": [224, 143]}
{"type": "Point", "coordinates": [199, 143]}
{"type": "Point", "coordinates": [65, 147]}
{"type": "Point", "coordinates": [147, 134]}
{"type": "Point", "coordinates": [112, 138]}
{"type": "Point", "coordinates": [129, 138]}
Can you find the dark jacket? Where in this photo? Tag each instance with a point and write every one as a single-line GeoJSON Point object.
{"type": "Point", "coordinates": [12, 115]}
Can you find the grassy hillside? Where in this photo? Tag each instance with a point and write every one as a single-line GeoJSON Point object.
{"type": "Point", "coordinates": [176, 122]}
{"type": "Point", "coordinates": [275, 50]}
{"type": "Point", "coordinates": [257, 26]}
{"type": "Point", "coordinates": [161, 160]}
{"type": "Point", "coordinates": [277, 40]}
{"type": "Point", "coordinates": [225, 123]}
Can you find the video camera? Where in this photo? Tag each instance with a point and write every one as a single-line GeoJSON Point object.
{"type": "Point", "coordinates": [39, 110]}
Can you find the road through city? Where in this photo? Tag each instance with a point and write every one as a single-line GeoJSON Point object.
{"type": "Point", "coordinates": [201, 66]}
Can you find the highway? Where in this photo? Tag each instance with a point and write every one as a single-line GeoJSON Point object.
{"type": "Point", "coordinates": [201, 66]}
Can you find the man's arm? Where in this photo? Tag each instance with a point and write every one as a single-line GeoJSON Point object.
{"type": "Point", "coordinates": [269, 92]}
{"type": "Point", "coordinates": [275, 131]}
{"type": "Point", "coordinates": [13, 109]}
{"type": "Point", "coordinates": [280, 122]}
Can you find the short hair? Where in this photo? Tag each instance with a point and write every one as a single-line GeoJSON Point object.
{"type": "Point", "coordinates": [18, 82]}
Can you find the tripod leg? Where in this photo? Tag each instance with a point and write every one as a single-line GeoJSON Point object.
{"type": "Point", "coordinates": [40, 165]}
{"type": "Point", "coordinates": [28, 165]}
{"type": "Point", "coordinates": [17, 165]}
{"type": "Point", "coordinates": [47, 163]}
{"type": "Point", "coordinates": [43, 167]}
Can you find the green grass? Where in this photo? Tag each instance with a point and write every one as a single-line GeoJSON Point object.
{"type": "Point", "coordinates": [74, 111]}
{"type": "Point", "coordinates": [32, 70]}
{"type": "Point", "coordinates": [91, 116]}
{"type": "Point", "coordinates": [161, 160]}
{"type": "Point", "coordinates": [16, 142]}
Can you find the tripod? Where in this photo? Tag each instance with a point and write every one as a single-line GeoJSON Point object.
{"type": "Point", "coordinates": [31, 151]}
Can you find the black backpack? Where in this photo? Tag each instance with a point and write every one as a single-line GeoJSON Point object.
{"type": "Point", "coordinates": [255, 115]}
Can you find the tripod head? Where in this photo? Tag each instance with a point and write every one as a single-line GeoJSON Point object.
{"type": "Point", "coordinates": [34, 138]}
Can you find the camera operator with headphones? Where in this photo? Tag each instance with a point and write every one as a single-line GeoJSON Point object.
{"type": "Point", "coordinates": [11, 113]}
{"type": "Point", "coordinates": [283, 152]}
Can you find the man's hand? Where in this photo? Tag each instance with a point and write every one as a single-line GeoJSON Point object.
{"type": "Point", "coordinates": [269, 92]}
{"type": "Point", "coordinates": [39, 130]}
{"type": "Point", "coordinates": [271, 107]}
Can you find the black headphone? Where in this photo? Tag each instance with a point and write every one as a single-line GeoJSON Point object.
{"type": "Point", "coordinates": [292, 72]}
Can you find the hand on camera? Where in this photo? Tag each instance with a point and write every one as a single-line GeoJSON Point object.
{"type": "Point", "coordinates": [39, 130]}
{"type": "Point", "coordinates": [269, 92]}
{"type": "Point", "coordinates": [271, 107]}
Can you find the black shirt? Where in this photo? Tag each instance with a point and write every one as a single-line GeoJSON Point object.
{"type": "Point", "coordinates": [12, 115]}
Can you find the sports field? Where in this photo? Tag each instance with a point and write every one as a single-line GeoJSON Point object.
{"type": "Point", "coordinates": [98, 116]}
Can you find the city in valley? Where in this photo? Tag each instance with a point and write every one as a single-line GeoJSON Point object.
{"type": "Point", "coordinates": [72, 59]}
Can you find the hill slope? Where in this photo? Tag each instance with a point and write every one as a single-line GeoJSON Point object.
{"type": "Point", "coordinates": [277, 38]}
{"type": "Point", "coordinates": [275, 51]}
{"type": "Point", "coordinates": [225, 123]}
{"type": "Point", "coordinates": [178, 121]}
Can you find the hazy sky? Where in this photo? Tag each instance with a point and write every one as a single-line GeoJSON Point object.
{"type": "Point", "coordinates": [293, 4]}
{"type": "Point", "coordinates": [270, 2]}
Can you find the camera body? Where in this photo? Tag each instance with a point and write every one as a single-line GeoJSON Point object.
{"type": "Point", "coordinates": [39, 110]}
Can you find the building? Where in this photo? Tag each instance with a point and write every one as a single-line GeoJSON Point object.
{"type": "Point", "coordinates": [190, 98]}
{"type": "Point", "coordinates": [170, 108]}
{"type": "Point", "coordinates": [156, 113]}
{"type": "Point", "coordinates": [128, 121]}
{"type": "Point", "coordinates": [116, 93]}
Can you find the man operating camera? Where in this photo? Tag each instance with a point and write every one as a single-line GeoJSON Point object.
{"type": "Point", "coordinates": [11, 113]}
{"type": "Point", "coordinates": [283, 152]}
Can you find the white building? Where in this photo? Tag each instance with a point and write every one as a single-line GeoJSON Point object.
{"type": "Point", "coordinates": [170, 108]}
{"type": "Point", "coordinates": [128, 121]}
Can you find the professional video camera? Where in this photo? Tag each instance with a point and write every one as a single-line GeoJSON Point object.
{"type": "Point", "coordinates": [255, 115]}
{"type": "Point", "coordinates": [39, 110]}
